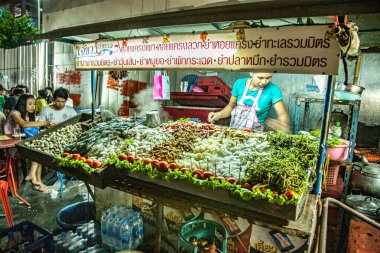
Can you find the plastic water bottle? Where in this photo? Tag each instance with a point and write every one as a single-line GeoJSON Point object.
{"type": "Point", "coordinates": [110, 232]}
{"type": "Point", "coordinates": [103, 226]}
{"type": "Point", "coordinates": [140, 228]}
{"type": "Point", "coordinates": [125, 232]}
{"type": "Point", "coordinates": [77, 246]}
{"type": "Point", "coordinates": [117, 235]}
{"type": "Point", "coordinates": [337, 130]}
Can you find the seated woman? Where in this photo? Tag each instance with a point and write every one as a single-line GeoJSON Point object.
{"type": "Point", "coordinates": [23, 116]}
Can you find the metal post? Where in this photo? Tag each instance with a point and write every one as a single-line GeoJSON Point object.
{"type": "Point", "coordinates": [93, 89]}
{"type": "Point", "coordinates": [159, 217]}
{"type": "Point", "coordinates": [323, 233]}
{"type": "Point", "coordinates": [327, 107]}
{"type": "Point", "coordinates": [297, 111]}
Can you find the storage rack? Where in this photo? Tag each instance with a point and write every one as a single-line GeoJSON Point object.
{"type": "Point", "coordinates": [352, 125]}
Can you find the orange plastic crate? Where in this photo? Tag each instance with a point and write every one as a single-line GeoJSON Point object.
{"type": "Point", "coordinates": [332, 174]}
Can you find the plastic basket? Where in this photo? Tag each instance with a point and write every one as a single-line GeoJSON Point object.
{"type": "Point", "coordinates": [332, 174]}
{"type": "Point", "coordinates": [43, 240]}
{"type": "Point", "coordinates": [339, 152]}
{"type": "Point", "coordinates": [202, 229]}
{"type": "Point", "coordinates": [75, 215]}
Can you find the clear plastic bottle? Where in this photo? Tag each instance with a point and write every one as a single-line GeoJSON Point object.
{"type": "Point", "coordinates": [337, 130]}
{"type": "Point", "coordinates": [140, 229]}
{"type": "Point", "coordinates": [117, 235]}
{"type": "Point", "coordinates": [110, 232]}
{"type": "Point", "coordinates": [103, 226]}
{"type": "Point", "coordinates": [125, 233]}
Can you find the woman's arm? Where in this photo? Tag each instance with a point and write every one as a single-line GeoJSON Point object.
{"type": "Point", "coordinates": [281, 112]}
{"type": "Point", "coordinates": [16, 118]}
{"type": "Point", "coordinates": [224, 113]}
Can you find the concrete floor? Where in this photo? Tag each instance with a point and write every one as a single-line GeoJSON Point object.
{"type": "Point", "coordinates": [44, 206]}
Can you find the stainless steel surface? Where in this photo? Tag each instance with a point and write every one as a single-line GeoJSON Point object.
{"type": "Point", "coordinates": [366, 205]}
{"type": "Point", "coordinates": [351, 88]}
{"type": "Point", "coordinates": [152, 118]}
{"type": "Point", "coordinates": [366, 178]}
{"type": "Point", "coordinates": [326, 203]}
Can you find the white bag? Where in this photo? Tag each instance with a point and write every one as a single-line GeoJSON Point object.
{"type": "Point", "coordinates": [161, 86]}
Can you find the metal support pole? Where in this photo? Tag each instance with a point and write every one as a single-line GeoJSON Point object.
{"type": "Point", "coordinates": [327, 107]}
{"type": "Point", "coordinates": [297, 111]}
{"type": "Point", "coordinates": [93, 89]}
{"type": "Point", "coordinates": [159, 217]}
{"type": "Point", "coordinates": [326, 202]}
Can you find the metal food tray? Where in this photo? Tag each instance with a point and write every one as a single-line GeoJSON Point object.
{"type": "Point", "coordinates": [47, 159]}
{"type": "Point", "coordinates": [139, 183]}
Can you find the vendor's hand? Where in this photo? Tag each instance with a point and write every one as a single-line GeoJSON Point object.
{"type": "Point", "coordinates": [213, 116]}
{"type": "Point", "coordinates": [50, 123]}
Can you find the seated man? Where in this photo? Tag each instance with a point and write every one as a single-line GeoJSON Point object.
{"type": "Point", "coordinates": [58, 111]}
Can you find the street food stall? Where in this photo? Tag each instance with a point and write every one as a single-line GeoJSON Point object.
{"type": "Point", "coordinates": [264, 178]}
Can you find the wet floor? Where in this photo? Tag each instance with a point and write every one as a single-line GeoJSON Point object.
{"type": "Point", "coordinates": [44, 206]}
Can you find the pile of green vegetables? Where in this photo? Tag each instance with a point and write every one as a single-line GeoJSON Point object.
{"type": "Point", "coordinates": [331, 142]}
{"type": "Point", "coordinates": [286, 165]}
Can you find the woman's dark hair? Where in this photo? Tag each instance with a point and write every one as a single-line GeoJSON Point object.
{"type": "Point", "coordinates": [21, 106]}
{"type": "Point", "coordinates": [18, 91]}
{"type": "Point", "coordinates": [23, 87]}
{"type": "Point", "coordinates": [1, 87]}
{"type": "Point", "coordinates": [43, 93]}
{"type": "Point", "coordinates": [49, 88]}
{"type": "Point", "coordinates": [61, 93]}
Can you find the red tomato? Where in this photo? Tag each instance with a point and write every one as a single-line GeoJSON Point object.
{"type": "Point", "coordinates": [207, 174]}
{"type": "Point", "coordinates": [290, 194]}
{"type": "Point", "coordinates": [247, 186]}
{"type": "Point", "coordinates": [183, 170]}
{"type": "Point", "coordinates": [146, 161]}
{"type": "Point", "coordinates": [130, 159]}
{"type": "Point", "coordinates": [76, 156]}
{"type": "Point", "coordinates": [199, 174]}
{"type": "Point", "coordinates": [263, 190]}
{"type": "Point", "coordinates": [65, 154]}
{"type": "Point", "coordinates": [90, 162]}
{"type": "Point", "coordinates": [83, 159]}
{"type": "Point", "coordinates": [122, 156]}
{"type": "Point", "coordinates": [163, 166]}
{"type": "Point", "coordinates": [155, 163]}
{"type": "Point", "coordinates": [96, 164]}
{"type": "Point", "coordinates": [231, 180]}
{"type": "Point", "coordinates": [220, 178]}
{"type": "Point", "coordinates": [173, 166]}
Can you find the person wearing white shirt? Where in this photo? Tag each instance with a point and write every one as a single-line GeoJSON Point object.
{"type": "Point", "coordinates": [59, 111]}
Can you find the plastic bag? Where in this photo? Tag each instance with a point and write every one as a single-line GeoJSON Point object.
{"type": "Point", "coordinates": [161, 86]}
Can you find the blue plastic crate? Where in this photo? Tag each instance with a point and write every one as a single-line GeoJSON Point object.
{"type": "Point", "coordinates": [43, 239]}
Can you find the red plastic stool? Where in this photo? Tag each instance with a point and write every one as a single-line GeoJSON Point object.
{"type": "Point", "coordinates": [5, 201]}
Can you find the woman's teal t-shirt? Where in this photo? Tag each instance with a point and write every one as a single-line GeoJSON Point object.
{"type": "Point", "coordinates": [271, 94]}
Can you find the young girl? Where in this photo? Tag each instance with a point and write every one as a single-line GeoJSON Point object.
{"type": "Point", "coordinates": [23, 116]}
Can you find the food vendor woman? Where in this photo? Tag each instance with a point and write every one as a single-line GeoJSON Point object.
{"type": "Point", "coordinates": [250, 103]}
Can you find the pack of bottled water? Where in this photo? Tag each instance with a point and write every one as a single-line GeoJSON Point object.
{"type": "Point", "coordinates": [121, 228]}
{"type": "Point", "coordinates": [85, 239]}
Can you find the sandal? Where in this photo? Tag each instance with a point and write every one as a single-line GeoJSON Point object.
{"type": "Point", "coordinates": [28, 178]}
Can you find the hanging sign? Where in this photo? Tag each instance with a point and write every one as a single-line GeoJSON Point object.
{"type": "Point", "coordinates": [306, 49]}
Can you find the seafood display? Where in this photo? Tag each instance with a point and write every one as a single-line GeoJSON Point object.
{"type": "Point", "coordinates": [259, 165]}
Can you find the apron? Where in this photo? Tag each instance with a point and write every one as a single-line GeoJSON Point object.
{"type": "Point", "coordinates": [243, 116]}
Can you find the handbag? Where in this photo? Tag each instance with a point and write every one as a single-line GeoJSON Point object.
{"type": "Point", "coordinates": [161, 86]}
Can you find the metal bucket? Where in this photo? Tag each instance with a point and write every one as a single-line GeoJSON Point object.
{"type": "Point", "coordinates": [152, 118]}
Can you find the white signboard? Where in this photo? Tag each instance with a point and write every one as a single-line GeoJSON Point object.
{"type": "Point", "coordinates": [306, 49]}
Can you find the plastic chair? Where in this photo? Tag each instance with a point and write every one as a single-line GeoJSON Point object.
{"type": "Point", "coordinates": [191, 79]}
{"type": "Point", "coordinates": [5, 202]}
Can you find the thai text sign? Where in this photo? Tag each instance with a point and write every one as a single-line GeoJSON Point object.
{"type": "Point", "coordinates": [307, 49]}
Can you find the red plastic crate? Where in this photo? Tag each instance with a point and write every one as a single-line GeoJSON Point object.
{"type": "Point", "coordinates": [363, 238]}
{"type": "Point", "coordinates": [332, 174]}
{"type": "Point", "coordinates": [219, 90]}
{"type": "Point", "coordinates": [210, 81]}
{"type": "Point", "coordinates": [202, 114]}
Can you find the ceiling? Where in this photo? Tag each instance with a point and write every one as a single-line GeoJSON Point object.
{"type": "Point", "coordinates": [258, 13]}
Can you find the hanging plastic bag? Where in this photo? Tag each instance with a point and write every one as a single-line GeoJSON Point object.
{"type": "Point", "coordinates": [161, 86]}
